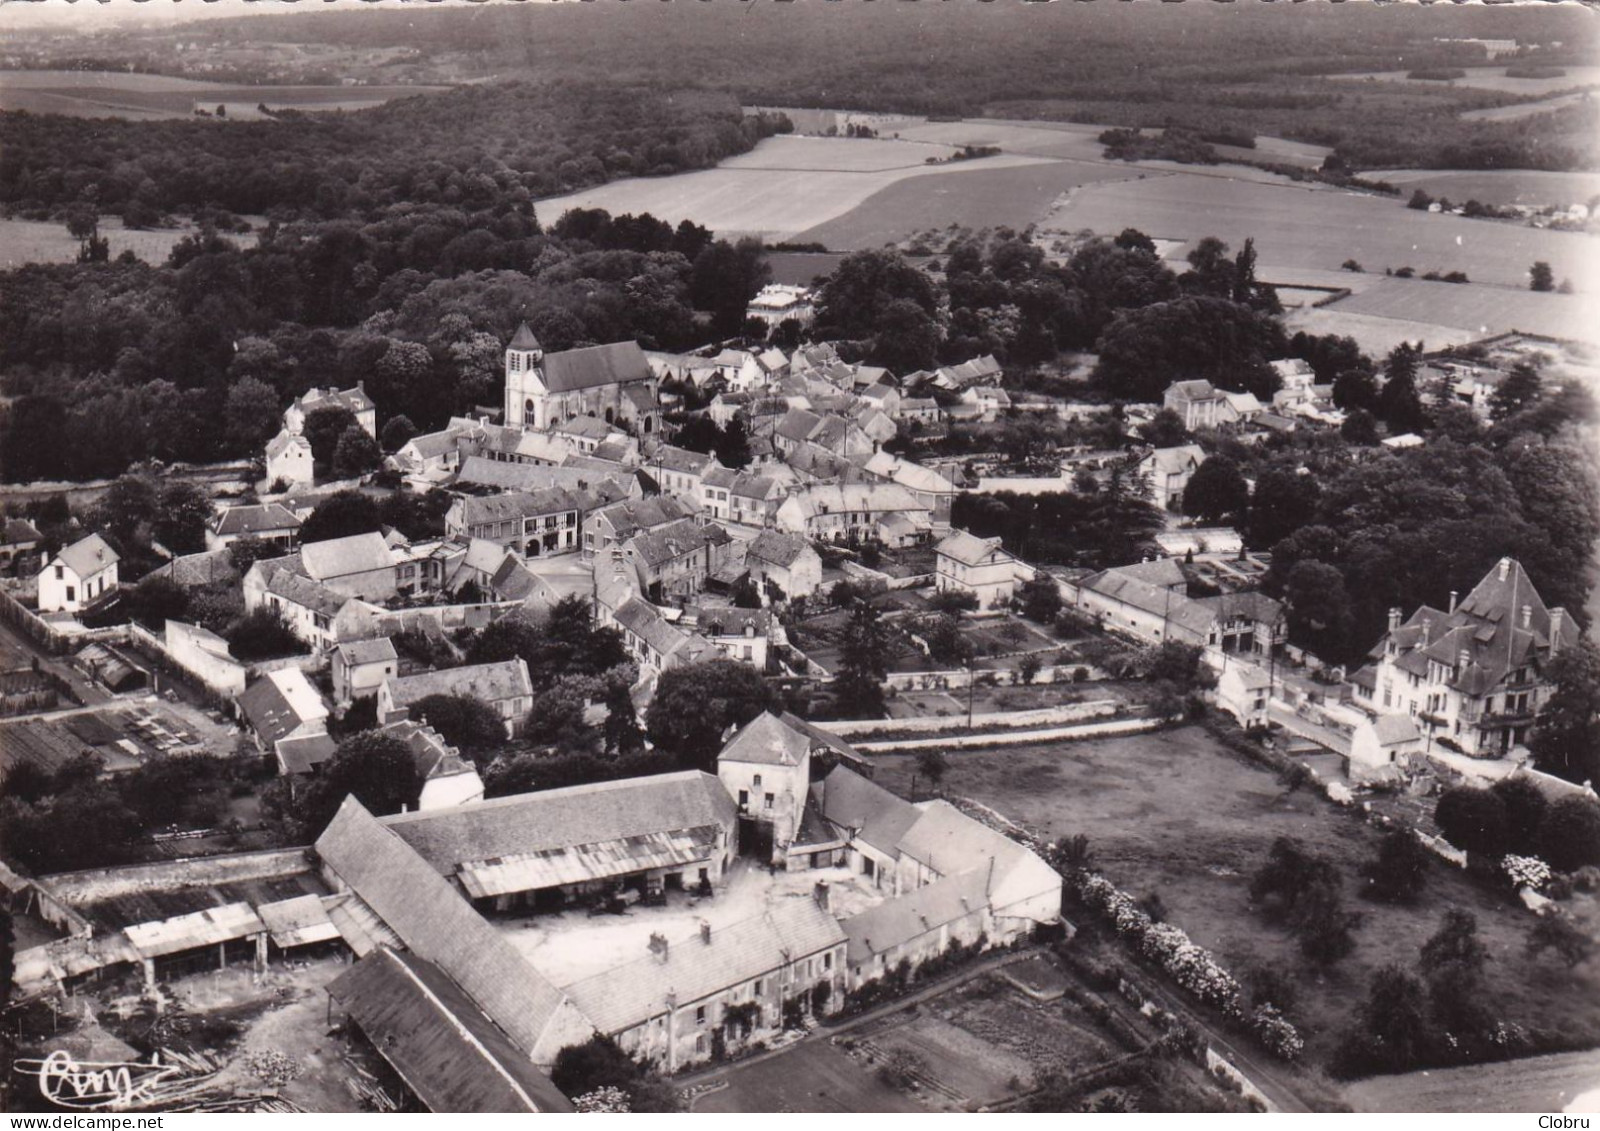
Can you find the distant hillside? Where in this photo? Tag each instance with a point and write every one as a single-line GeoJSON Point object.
{"type": "Point", "coordinates": [494, 143]}
{"type": "Point", "coordinates": [1213, 68]}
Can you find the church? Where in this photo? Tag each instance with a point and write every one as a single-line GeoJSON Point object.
{"type": "Point", "coordinates": [611, 383]}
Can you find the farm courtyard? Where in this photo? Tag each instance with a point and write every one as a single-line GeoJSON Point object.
{"type": "Point", "coordinates": [1175, 813]}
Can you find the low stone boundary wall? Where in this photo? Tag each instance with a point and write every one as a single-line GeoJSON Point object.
{"type": "Point", "coordinates": [1014, 737]}
{"type": "Point", "coordinates": [1042, 716]}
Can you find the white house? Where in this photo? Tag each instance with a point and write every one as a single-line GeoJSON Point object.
{"type": "Point", "coordinates": [78, 575]}
{"type": "Point", "coordinates": [776, 304]}
{"type": "Point", "coordinates": [1382, 748]}
{"type": "Point", "coordinates": [356, 400]}
{"type": "Point", "coordinates": [787, 561]}
{"type": "Point", "coordinates": [272, 523]}
{"type": "Point", "coordinates": [289, 459]}
{"type": "Point", "coordinates": [1168, 471]}
{"type": "Point", "coordinates": [360, 667]}
{"type": "Point", "coordinates": [979, 566]}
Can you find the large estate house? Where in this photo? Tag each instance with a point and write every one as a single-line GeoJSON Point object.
{"type": "Point", "coordinates": [1475, 675]}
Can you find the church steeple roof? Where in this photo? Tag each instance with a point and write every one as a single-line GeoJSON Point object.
{"type": "Point", "coordinates": [523, 339]}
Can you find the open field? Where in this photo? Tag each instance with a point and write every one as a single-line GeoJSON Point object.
{"type": "Point", "coordinates": [785, 186]}
{"type": "Point", "coordinates": [1531, 187]}
{"type": "Point", "coordinates": [41, 241]}
{"type": "Point", "coordinates": [1375, 335]}
{"type": "Point", "coordinates": [1535, 1083]}
{"type": "Point", "coordinates": [1492, 78]}
{"type": "Point", "coordinates": [982, 198]}
{"type": "Point", "coordinates": [1482, 310]}
{"type": "Point", "coordinates": [106, 94]}
{"type": "Point", "coordinates": [1297, 226]}
{"type": "Point", "coordinates": [1525, 109]}
{"type": "Point", "coordinates": [1175, 813]}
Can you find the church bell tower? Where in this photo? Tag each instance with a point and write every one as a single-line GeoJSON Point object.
{"type": "Point", "coordinates": [525, 389]}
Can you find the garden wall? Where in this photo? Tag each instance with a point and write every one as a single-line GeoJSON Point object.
{"type": "Point", "coordinates": [1042, 716]}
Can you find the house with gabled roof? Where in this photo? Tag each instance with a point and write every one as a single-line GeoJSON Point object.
{"type": "Point", "coordinates": [679, 558]}
{"type": "Point", "coordinates": [438, 1040]}
{"type": "Point", "coordinates": [356, 400]}
{"type": "Point", "coordinates": [18, 538]}
{"type": "Point", "coordinates": [615, 523]}
{"type": "Point", "coordinates": [392, 895]}
{"type": "Point", "coordinates": [979, 567]}
{"type": "Point", "coordinates": [360, 666]}
{"type": "Point", "coordinates": [289, 460]}
{"type": "Point", "coordinates": [1168, 471]}
{"type": "Point", "coordinates": [505, 686]}
{"type": "Point", "coordinates": [1474, 675]}
{"type": "Point", "coordinates": [787, 561]}
{"type": "Point", "coordinates": [679, 472]}
{"type": "Point", "coordinates": [79, 575]}
{"type": "Point", "coordinates": [282, 707]}
{"type": "Point", "coordinates": [272, 523]}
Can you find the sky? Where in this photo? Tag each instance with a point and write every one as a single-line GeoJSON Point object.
{"type": "Point", "coordinates": [64, 14]}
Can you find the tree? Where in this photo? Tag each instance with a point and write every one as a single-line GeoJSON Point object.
{"type": "Point", "coordinates": [375, 768]}
{"type": "Point", "coordinates": [1399, 404]}
{"type": "Point", "coordinates": [1399, 873]}
{"type": "Point", "coordinates": [907, 337]}
{"type": "Point", "coordinates": [1452, 961]}
{"type": "Point", "coordinates": [1283, 502]}
{"type": "Point", "coordinates": [1360, 427]}
{"type": "Point", "coordinates": [560, 715]}
{"type": "Point", "coordinates": [1419, 200]}
{"type": "Point", "coordinates": [866, 283]}
{"type": "Point", "coordinates": [622, 735]}
{"type": "Point", "coordinates": [933, 765]}
{"type": "Point", "coordinates": [1040, 598]}
{"type": "Point", "coordinates": [356, 453]}
{"type": "Point", "coordinates": [723, 280]}
{"type": "Point", "coordinates": [1195, 337]}
{"type": "Point", "coordinates": [1473, 820]}
{"type": "Point", "coordinates": [397, 432]}
{"type": "Point", "coordinates": [1395, 1018]}
{"type": "Point", "coordinates": [156, 600]}
{"type": "Point", "coordinates": [1355, 388]}
{"type": "Point", "coordinates": [599, 1064]}
{"type": "Point", "coordinates": [1318, 608]}
{"type": "Point", "coordinates": [696, 703]}
{"type": "Point", "coordinates": [250, 416]}
{"type": "Point", "coordinates": [1519, 389]}
{"type": "Point", "coordinates": [1164, 430]}
{"type": "Point", "coordinates": [465, 722]}
{"type": "Point", "coordinates": [263, 634]}
{"type": "Point", "coordinates": [1525, 806]}
{"type": "Point", "coordinates": [1320, 922]}
{"type": "Point", "coordinates": [1570, 838]}
{"type": "Point", "coordinates": [323, 428]}
{"type": "Point", "coordinates": [1555, 930]}
{"type": "Point", "coordinates": [1216, 491]}
{"type": "Point", "coordinates": [340, 515]}
{"type": "Point", "coordinates": [183, 511]}
{"type": "Point", "coordinates": [1566, 735]}
{"type": "Point", "coordinates": [863, 661]}
{"type": "Point", "coordinates": [946, 642]}
{"type": "Point", "coordinates": [247, 551]}
{"type": "Point", "coordinates": [953, 601]}
{"type": "Point", "coordinates": [1540, 277]}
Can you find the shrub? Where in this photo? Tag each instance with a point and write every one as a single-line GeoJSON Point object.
{"type": "Point", "coordinates": [1526, 807]}
{"type": "Point", "coordinates": [1400, 871]}
{"type": "Point", "coordinates": [1570, 835]}
{"type": "Point", "coordinates": [1473, 820]}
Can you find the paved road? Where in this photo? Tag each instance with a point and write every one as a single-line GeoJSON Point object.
{"type": "Point", "coordinates": [18, 650]}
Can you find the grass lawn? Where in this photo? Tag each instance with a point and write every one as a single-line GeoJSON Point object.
{"type": "Point", "coordinates": [813, 1077]}
{"type": "Point", "coordinates": [1175, 813]}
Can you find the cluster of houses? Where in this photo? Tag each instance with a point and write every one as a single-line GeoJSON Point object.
{"type": "Point", "coordinates": [470, 1019]}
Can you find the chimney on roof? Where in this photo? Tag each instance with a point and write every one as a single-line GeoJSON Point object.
{"type": "Point", "coordinates": [1527, 616]}
{"type": "Point", "coordinates": [1557, 614]}
{"type": "Point", "coordinates": [1463, 658]}
{"type": "Point", "coordinates": [820, 894]}
{"type": "Point", "coordinates": [705, 932]}
{"type": "Point", "coordinates": [1394, 619]}
{"type": "Point", "coordinates": [1452, 600]}
{"type": "Point", "coordinates": [658, 946]}
{"type": "Point", "coordinates": [1505, 568]}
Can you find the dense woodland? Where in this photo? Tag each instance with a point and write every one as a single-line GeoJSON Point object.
{"type": "Point", "coordinates": [472, 148]}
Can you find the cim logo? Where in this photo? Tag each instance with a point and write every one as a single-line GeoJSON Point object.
{"type": "Point", "coordinates": [92, 1085]}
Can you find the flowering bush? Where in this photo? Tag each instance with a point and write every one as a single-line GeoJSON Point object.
{"type": "Point", "coordinates": [1275, 1033]}
{"type": "Point", "coordinates": [1189, 964]}
{"type": "Point", "coordinates": [1526, 872]}
{"type": "Point", "coordinates": [602, 1101]}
